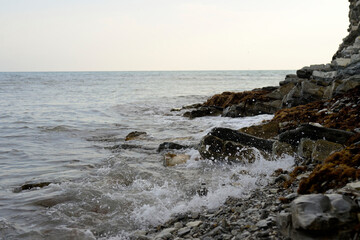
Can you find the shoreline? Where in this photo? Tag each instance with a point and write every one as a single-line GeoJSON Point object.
{"type": "Point", "coordinates": [317, 121]}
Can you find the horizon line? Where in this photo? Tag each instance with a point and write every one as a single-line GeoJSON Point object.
{"type": "Point", "coordinates": [75, 71]}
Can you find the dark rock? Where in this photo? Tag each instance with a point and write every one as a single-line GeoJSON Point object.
{"type": "Point", "coordinates": [170, 145]}
{"type": "Point", "coordinates": [204, 111]}
{"type": "Point", "coordinates": [293, 137]}
{"type": "Point", "coordinates": [30, 186]}
{"type": "Point", "coordinates": [291, 79]}
{"type": "Point", "coordinates": [135, 135]}
{"type": "Point", "coordinates": [226, 134]}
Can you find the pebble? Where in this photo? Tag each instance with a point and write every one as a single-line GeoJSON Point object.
{"type": "Point", "coordinates": [193, 224]}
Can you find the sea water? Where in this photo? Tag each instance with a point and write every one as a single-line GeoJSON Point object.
{"type": "Point", "coordinates": [69, 128]}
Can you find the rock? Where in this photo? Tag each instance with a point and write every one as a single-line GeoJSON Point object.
{"type": "Point", "coordinates": [293, 137]}
{"type": "Point", "coordinates": [170, 145]}
{"type": "Point", "coordinates": [327, 76]}
{"type": "Point", "coordinates": [230, 145]}
{"type": "Point", "coordinates": [183, 231]}
{"type": "Point", "coordinates": [347, 84]}
{"type": "Point", "coordinates": [171, 159]}
{"type": "Point", "coordinates": [305, 148]}
{"type": "Point", "coordinates": [279, 93]}
{"type": "Point", "coordinates": [262, 224]}
{"type": "Point", "coordinates": [135, 135]}
{"type": "Point", "coordinates": [193, 224]}
{"type": "Point", "coordinates": [306, 72]}
{"type": "Point", "coordinates": [281, 148]}
{"type": "Point", "coordinates": [30, 186]}
{"type": "Point", "coordinates": [291, 79]}
{"type": "Point", "coordinates": [312, 213]}
{"type": "Point", "coordinates": [341, 62]}
{"type": "Point", "coordinates": [266, 130]}
{"type": "Point", "coordinates": [318, 215]}
{"type": "Point", "coordinates": [322, 149]}
{"type": "Point", "coordinates": [227, 134]}
{"type": "Point", "coordinates": [204, 111]}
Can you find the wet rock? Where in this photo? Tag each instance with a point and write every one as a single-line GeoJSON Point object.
{"type": "Point", "coordinates": [170, 146]}
{"type": "Point", "coordinates": [266, 130]}
{"type": "Point", "coordinates": [227, 134]}
{"type": "Point", "coordinates": [203, 112]}
{"type": "Point", "coordinates": [30, 186]}
{"type": "Point", "coordinates": [171, 159]}
{"type": "Point", "coordinates": [293, 137]}
{"type": "Point", "coordinates": [135, 135]}
{"type": "Point", "coordinates": [322, 149]}
{"type": "Point", "coordinates": [231, 145]}
{"type": "Point", "coordinates": [281, 148]}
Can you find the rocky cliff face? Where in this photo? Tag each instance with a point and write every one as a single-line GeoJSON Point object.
{"type": "Point", "coordinates": [349, 48]}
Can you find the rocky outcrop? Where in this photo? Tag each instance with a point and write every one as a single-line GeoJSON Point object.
{"type": "Point", "coordinates": [331, 216]}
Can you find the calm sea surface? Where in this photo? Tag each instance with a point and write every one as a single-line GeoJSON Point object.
{"type": "Point", "coordinates": [64, 128]}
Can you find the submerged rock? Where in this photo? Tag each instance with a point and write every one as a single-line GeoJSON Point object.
{"type": "Point", "coordinates": [170, 145]}
{"type": "Point", "coordinates": [204, 111]}
{"type": "Point", "coordinates": [30, 186]}
{"type": "Point", "coordinates": [135, 135]}
{"type": "Point", "coordinates": [171, 159]}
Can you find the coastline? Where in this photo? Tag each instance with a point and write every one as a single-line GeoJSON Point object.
{"type": "Point", "coordinates": [317, 121]}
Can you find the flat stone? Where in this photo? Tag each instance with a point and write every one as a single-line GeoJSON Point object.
{"type": "Point", "coordinates": [262, 224]}
{"type": "Point", "coordinates": [193, 224]}
{"type": "Point", "coordinates": [183, 231]}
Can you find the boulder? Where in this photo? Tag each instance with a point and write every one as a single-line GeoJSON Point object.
{"type": "Point", "coordinates": [266, 130]}
{"type": "Point", "coordinates": [312, 132]}
{"type": "Point", "coordinates": [170, 145]}
{"type": "Point", "coordinates": [330, 216]}
{"type": "Point", "coordinates": [317, 151]}
{"type": "Point", "coordinates": [324, 77]}
{"type": "Point", "coordinates": [279, 93]}
{"type": "Point", "coordinates": [280, 149]}
{"type": "Point", "coordinates": [30, 186]}
{"type": "Point", "coordinates": [227, 134]}
{"type": "Point", "coordinates": [171, 159]}
{"type": "Point", "coordinates": [135, 135]}
{"type": "Point", "coordinates": [322, 149]}
{"type": "Point", "coordinates": [347, 84]}
{"type": "Point", "coordinates": [229, 145]}
{"type": "Point", "coordinates": [204, 111]}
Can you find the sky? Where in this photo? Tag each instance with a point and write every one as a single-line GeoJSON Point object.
{"type": "Point", "coordinates": [142, 35]}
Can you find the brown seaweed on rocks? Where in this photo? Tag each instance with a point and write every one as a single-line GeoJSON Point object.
{"type": "Point", "coordinates": [337, 170]}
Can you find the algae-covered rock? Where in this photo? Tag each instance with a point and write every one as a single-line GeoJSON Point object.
{"type": "Point", "coordinates": [266, 130]}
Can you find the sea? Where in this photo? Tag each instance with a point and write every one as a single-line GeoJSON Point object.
{"type": "Point", "coordinates": [68, 129]}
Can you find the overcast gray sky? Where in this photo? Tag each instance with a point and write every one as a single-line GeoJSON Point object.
{"type": "Point", "coordinates": [125, 35]}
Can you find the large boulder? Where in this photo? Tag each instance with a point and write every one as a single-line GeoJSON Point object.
{"type": "Point", "coordinates": [330, 216]}
{"type": "Point", "coordinates": [317, 151]}
{"type": "Point", "coordinates": [347, 84]}
{"type": "Point", "coordinates": [266, 130]}
{"type": "Point", "coordinates": [228, 144]}
{"type": "Point", "coordinates": [312, 132]}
